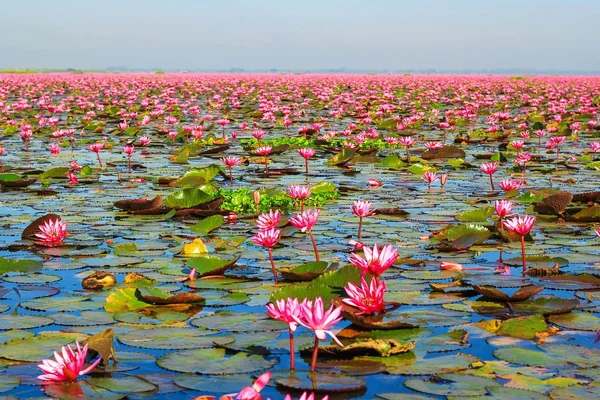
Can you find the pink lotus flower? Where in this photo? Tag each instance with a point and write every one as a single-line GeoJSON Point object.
{"type": "Point", "coordinates": [305, 222]}
{"type": "Point", "coordinates": [54, 149]}
{"type": "Point", "coordinates": [52, 233]}
{"type": "Point", "coordinates": [285, 311]}
{"type": "Point", "coordinates": [375, 183]}
{"type": "Point", "coordinates": [307, 153]}
{"type": "Point", "coordinates": [299, 192]}
{"type": "Point", "coordinates": [521, 226]}
{"type": "Point", "coordinates": [433, 145]}
{"type": "Point", "coordinates": [96, 148]}
{"type": "Point", "coordinates": [430, 177]}
{"type": "Point", "coordinates": [66, 367]}
{"type": "Point", "coordinates": [451, 266]}
{"type": "Point", "coordinates": [597, 231]}
{"type": "Point", "coordinates": [231, 162]}
{"type": "Point", "coordinates": [595, 147]}
{"type": "Point", "coordinates": [72, 178]}
{"type": "Point", "coordinates": [489, 169]}
{"type": "Point", "coordinates": [517, 145]}
{"type": "Point", "coordinates": [268, 238]}
{"type": "Point", "coordinates": [503, 207]}
{"type": "Point", "coordinates": [25, 136]}
{"type": "Point", "coordinates": [314, 317]}
{"type": "Point", "coordinates": [407, 141]}
{"type": "Point", "coordinates": [253, 392]}
{"type": "Point", "coordinates": [129, 150]}
{"type": "Point", "coordinates": [508, 184]}
{"type": "Point", "coordinates": [145, 140]}
{"type": "Point", "coordinates": [268, 221]}
{"type": "Point", "coordinates": [368, 298]}
{"type": "Point", "coordinates": [258, 134]}
{"type": "Point", "coordinates": [265, 151]}
{"type": "Point", "coordinates": [375, 262]}
{"type": "Point", "coordinates": [362, 209]}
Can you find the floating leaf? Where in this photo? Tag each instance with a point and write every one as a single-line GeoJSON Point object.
{"type": "Point", "coordinates": [214, 362]}
{"type": "Point", "coordinates": [208, 224]}
{"type": "Point", "coordinates": [341, 158]}
{"type": "Point", "coordinates": [187, 198]}
{"type": "Point", "coordinates": [476, 215]}
{"type": "Point", "coordinates": [451, 385]}
{"type": "Point", "coordinates": [9, 265]}
{"type": "Point", "coordinates": [319, 382]}
{"type": "Point", "coordinates": [211, 265]}
{"type": "Point", "coordinates": [377, 347]}
{"type": "Point", "coordinates": [172, 338]}
{"type": "Point", "coordinates": [124, 385]}
{"type": "Point", "coordinates": [523, 327]}
{"type": "Point", "coordinates": [157, 296]}
{"type": "Point", "coordinates": [556, 356]}
{"type": "Point", "coordinates": [238, 322]}
{"type": "Point", "coordinates": [577, 320]}
{"type": "Point", "coordinates": [34, 349]}
{"type": "Point", "coordinates": [103, 344]}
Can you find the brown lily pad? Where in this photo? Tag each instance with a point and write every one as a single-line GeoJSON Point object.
{"type": "Point", "coordinates": [521, 294]}
{"type": "Point", "coordinates": [555, 204]}
{"type": "Point", "coordinates": [139, 204]}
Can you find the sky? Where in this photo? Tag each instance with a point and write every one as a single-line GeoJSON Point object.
{"type": "Point", "coordinates": [301, 34]}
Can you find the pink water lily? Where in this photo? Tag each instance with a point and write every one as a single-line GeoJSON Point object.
{"type": "Point", "coordinates": [253, 392]}
{"type": "Point", "coordinates": [521, 226]}
{"type": "Point", "coordinates": [362, 209]}
{"type": "Point", "coordinates": [286, 311]}
{"type": "Point", "coordinates": [268, 220]}
{"type": "Point", "coordinates": [305, 222]}
{"type": "Point", "coordinates": [52, 233]}
{"type": "Point", "coordinates": [368, 297]}
{"type": "Point", "coordinates": [67, 366]}
{"type": "Point", "coordinates": [314, 317]}
{"type": "Point", "coordinates": [376, 262]}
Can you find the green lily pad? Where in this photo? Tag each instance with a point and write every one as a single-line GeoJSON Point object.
{"type": "Point", "coordinates": [409, 364]}
{"type": "Point", "coordinates": [575, 393]}
{"type": "Point", "coordinates": [85, 318]}
{"type": "Point", "coordinates": [79, 390]}
{"type": "Point", "coordinates": [23, 321]}
{"type": "Point", "coordinates": [208, 224]}
{"type": "Point", "coordinates": [238, 322]}
{"type": "Point", "coordinates": [27, 266]}
{"type": "Point", "coordinates": [451, 384]}
{"type": "Point", "coordinates": [523, 327]}
{"type": "Point", "coordinates": [304, 272]}
{"type": "Point", "coordinates": [214, 362]}
{"type": "Point", "coordinates": [476, 215]}
{"type": "Point", "coordinates": [211, 265]}
{"type": "Point", "coordinates": [8, 382]}
{"type": "Point", "coordinates": [34, 349]}
{"type": "Point", "coordinates": [187, 198]}
{"type": "Point", "coordinates": [31, 279]}
{"type": "Point", "coordinates": [154, 315]}
{"type": "Point", "coordinates": [125, 385]}
{"type": "Point", "coordinates": [453, 340]}
{"type": "Point", "coordinates": [582, 321]}
{"type": "Point", "coordinates": [319, 382]}
{"type": "Point", "coordinates": [546, 305]}
{"type": "Point", "coordinates": [219, 385]}
{"type": "Point", "coordinates": [60, 304]}
{"type": "Point", "coordinates": [555, 356]}
{"type": "Point", "coordinates": [155, 295]}
{"type": "Point", "coordinates": [172, 338]}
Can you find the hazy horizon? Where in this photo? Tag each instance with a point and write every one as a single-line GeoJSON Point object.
{"type": "Point", "coordinates": [310, 35]}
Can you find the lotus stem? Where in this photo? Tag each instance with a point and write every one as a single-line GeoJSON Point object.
{"type": "Point", "coordinates": [99, 161]}
{"type": "Point", "coordinates": [523, 253]}
{"type": "Point", "coordinates": [312, 238]}
{"type": "Point", "coordinates": [313, 363]}
{"type": "Point", "coordinates": [266, 165]}
{"type": "Point", "coordinates": [292, 352]}
{"type": "Point", "coordinates": [492, 182]}
{"type": "Point", "coordinates": [270, 251]}
{"type": "Point", "coordinates": [230, 175]}
{"type": "Point", "coordinates": [359, 226]}
{"type": "Point", "coordinates": [306, 165]}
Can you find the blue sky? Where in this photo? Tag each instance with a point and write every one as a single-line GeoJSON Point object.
{"type": "Point", "coordinates": [301, 34]}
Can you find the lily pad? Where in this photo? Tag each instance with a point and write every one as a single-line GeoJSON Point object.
{"type": "Point", "coordinates": [320, 382]}
{"type": "Point", "coordinates": [555, 356]}
{"type": "Point", "coordinates": [238, 322]}
{"type": "Point", "coordinates": [172, 338]}
{"type": "Point", "coordinates": [451, 385]}
{"type": "Point", "coordinates": [215, 362]}
{"type": "Point", "coordinates": [582, 321]}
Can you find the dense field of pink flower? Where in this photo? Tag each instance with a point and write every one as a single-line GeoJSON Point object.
{"type": "Point", "coordinates": [208, 230]}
